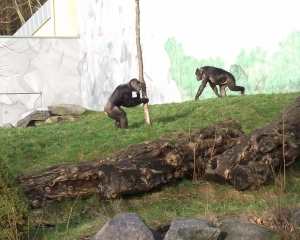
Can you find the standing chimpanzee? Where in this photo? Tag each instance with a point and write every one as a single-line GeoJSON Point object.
{"type": "Point", "coordinates": [216, 76]}
{"type": "Point", "coordinates": [122, 96]}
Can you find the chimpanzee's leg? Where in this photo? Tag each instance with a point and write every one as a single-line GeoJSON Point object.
{"type": "Point", "coordinates": [119, 115]}
{"type": "Point", "coordinates": [222, 90]}
{"type": "Point", "coordinates": [233, 87]}
{"type": "Point", "coordinates": [214, 88]}
{"type": "Point", "coordinates": [123, 119]}
{"type": "Point", "coordinates": [117, 124]}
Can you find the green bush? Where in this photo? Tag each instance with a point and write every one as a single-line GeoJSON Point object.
{"type": "Point", "coordinates": [14, 207]}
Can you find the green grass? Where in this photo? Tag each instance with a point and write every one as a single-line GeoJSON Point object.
{"type": "Point", "coordinates": [93, 136]}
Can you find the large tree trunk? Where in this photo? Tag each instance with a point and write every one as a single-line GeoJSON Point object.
{"type": "Point", "coordinates": [138, 168]}
{"type": "Point", "coordinates": [257, 157]}
{"type": "Point", "coordinates": [140, 61]}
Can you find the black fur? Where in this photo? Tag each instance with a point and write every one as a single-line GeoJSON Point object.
{"type": "Point", "coordinates": [122, 96]}
{"type": "Point", "coordinates": [216, 76]}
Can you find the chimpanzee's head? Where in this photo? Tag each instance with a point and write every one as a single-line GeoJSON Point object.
{"type": "Point", "coordinates": [136, 84]}
{"type": "Point", "coordinates": [199, 74]}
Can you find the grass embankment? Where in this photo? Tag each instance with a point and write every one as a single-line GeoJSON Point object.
{"type": "Point", "coordinates": [93, 136]}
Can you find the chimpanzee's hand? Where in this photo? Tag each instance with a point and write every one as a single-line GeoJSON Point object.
{"type": "Point", "coordinates": [144, 100]}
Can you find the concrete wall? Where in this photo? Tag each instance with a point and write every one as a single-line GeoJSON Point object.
{"type": "Point", "coordinates": [258, 41]}
{"type": "Point", "coordinates": [37, 65]}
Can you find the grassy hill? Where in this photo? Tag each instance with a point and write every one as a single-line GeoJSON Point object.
{"type": "Point", "coordinates": [94, 136]}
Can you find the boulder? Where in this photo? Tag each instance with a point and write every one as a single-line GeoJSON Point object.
{"type": "Point", "coordinates": [126, 226]}
{"type": "Point", "coordinates": [190, 228]}
{"type": "Point", "coordinates": [55, 119]}
{"type": "Point", "coordinates": [50, 115]}
{"type": "Point", "coordinates": [292, 216]}
{"type": "Point", "coordinates": [6, 126]}
{"type": "Point", "coordinates": [36, 115]}
{"type": "Point", "coordinates": [238, 229]}
{"type": "Point", "coordinates": [66, 110]}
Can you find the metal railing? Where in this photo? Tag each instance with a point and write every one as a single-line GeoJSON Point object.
{"type": "Point", "coordinates": [35, 21]}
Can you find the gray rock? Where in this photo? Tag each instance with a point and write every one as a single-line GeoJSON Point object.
{"type": "Point", "coordinates": [66, 110]}
{"type": "Point", "coordinates": [62, 112]}
{"type": "Point", "coordinates": [36, 115]}
{"type": "Point", "coordinates": [6, 126]}
{"type": "Point", "coordinates": [292, 215]}
{"type": "Point", "coordinates": [192, 229]}
{"type": "Point", "coordinates": [132, 226]}
{"type": "Point", "coordinates": [237, 229]}
{"type": "Point", "coordinates": [55, 119]}
{"type": "Point", "coordinates": [125, 226]}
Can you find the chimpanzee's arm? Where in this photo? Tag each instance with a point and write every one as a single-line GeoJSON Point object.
{"type": "Point", "coordinates": [129, 101]}
{"type": "Point", "coordinates": [202, 86]}
{"type": "Point", "coordinates": [214, 88]}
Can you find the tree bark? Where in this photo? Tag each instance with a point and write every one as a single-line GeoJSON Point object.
{"type": "Point", "coordinates": [140, 61]}
{"type": "Point", "coordinates": [260, 155]}
{"type": "Point", "coordinates": [138, 168]}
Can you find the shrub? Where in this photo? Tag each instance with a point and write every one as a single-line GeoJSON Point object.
{"type": "Point", "coordinates": [14, 208]}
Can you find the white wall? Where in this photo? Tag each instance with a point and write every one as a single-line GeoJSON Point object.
{"type": "Point", "coordinates": [258, 40]}
{"type": "Point", "coordinates": [208, 32]}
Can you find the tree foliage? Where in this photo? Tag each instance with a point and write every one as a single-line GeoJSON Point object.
{"type": "Point", "coordinates": [14, 13]}
{"type": "Point", "coordinates": [14, 208]}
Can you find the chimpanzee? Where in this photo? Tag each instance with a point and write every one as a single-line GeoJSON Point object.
{"type": "Point", "coordinates": [216, 76]}
{"type": "Point", "coordinates": [123, 96]}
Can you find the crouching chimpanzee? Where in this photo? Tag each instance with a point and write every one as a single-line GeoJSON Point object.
{"type": "Point", "coordinates": [123, 96]}
{"type": "Point", "coordinates": [216, 76]}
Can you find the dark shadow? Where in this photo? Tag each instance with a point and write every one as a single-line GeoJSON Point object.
{"type": "Point", "coordinates": [223, 235]}
{"type": "Point", "coordinates": [137, 124]}
{"type": "Point", "coordinates": [170, 117]}
{"type": "Point", "coordinates": [163, 118]}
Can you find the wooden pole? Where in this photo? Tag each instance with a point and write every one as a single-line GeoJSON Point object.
{"type": "Point", "coordinates": [140, 62]}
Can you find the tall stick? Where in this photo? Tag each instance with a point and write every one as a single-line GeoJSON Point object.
{"type": "Point", "coordinates": [140, 61]}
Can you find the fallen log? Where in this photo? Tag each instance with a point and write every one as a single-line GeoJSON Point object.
{"type": "Point", "coordinates": [138, 168]}
{"type": "Point", "coordinates": [259, 156]}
